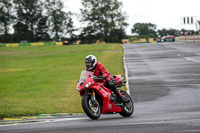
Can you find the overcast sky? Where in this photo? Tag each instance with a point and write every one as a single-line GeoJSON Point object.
{"type": "Point", "coordinates": [164, 13]}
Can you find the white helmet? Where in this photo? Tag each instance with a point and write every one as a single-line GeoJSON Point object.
{"type": "Point", "coordinates": [90, 59]}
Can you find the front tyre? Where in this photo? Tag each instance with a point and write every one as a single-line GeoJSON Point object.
{"type": "Point", "coordinates": [127, 108]}
{"type": "Point", "coordinates": [92, 110]}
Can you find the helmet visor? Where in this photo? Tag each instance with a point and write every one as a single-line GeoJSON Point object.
{"type": "Point", "coordinates": [88, 63]}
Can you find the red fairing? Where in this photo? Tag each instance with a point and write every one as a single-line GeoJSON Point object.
{"type": "Point", "coordinates": [117, 78]}
{"type": "Point", "coordinates": [108, 106]}
{"type": "Point", "coordinates": [104, 93]}
{"type": "Point", "coordinates": [97, 99]}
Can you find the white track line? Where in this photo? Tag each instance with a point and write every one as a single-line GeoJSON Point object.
{"type": "Point", "coordinates": [42, 121]}
{"type": "Point", "coordinates": [126, 72]}
{"type": "Point", "coordinates": [193, 60]}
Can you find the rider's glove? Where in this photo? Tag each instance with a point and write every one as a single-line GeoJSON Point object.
{"type": "Point", "coordinates": [100, 77]}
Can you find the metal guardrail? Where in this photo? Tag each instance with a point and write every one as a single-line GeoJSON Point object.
{"type": "Point", "coordinates": [30, 44]}
{"type": "Point", "coordinates": [190, 38]}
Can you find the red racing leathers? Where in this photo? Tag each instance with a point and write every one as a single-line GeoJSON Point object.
{"type": "Point", "coordinates": [100, 70]}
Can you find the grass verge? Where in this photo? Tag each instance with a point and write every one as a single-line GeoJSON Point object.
{"type": "Point", "coordinates": [35, 80]}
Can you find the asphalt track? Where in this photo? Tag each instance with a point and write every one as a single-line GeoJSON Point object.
{"type": "Point", "coordinates": [164, 81]}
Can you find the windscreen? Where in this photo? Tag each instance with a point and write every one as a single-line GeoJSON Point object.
{"type": "Point", "coordinates": [84, 75]}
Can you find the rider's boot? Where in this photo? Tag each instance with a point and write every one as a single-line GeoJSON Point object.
{"type": "Point", "coordinates": [121, 97]}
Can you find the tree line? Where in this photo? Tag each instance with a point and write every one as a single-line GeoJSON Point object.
{"type": "Point", "coordinates": [148, 30]}
{"type": "Point", "coordinates": [34, 20]}
{"type": "Point", "coordinates": [47, 20]}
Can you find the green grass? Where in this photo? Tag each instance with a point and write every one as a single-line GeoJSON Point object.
{"type": "Point", "coordinates": [35, 80]}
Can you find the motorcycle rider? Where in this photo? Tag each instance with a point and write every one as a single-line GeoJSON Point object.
{"type": "Point", "coordinates": [100, 71]}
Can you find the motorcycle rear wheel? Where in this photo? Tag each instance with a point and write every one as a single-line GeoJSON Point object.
{"type": "Point", "coordinates": [91, 110]}
{"type": "Point", "coordinates": [127, 108]}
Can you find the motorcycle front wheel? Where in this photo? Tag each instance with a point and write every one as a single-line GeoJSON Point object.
{"type": "Point", "coordinates": [91, 109]}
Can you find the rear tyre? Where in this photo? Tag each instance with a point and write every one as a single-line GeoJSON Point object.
{"type": "Point", "coordinates": [92, 110]}
{"type": "Point", "coordinates": [127, 108]}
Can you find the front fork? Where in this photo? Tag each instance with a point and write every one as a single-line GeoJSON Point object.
{"type": "Point", "coordinates": [93, 98]}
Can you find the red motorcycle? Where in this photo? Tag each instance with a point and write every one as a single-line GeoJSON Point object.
{"type": "Point", "coordinates": [97, 99]}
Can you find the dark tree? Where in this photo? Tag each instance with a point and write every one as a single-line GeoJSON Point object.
{"type": "Point", "coordinates": [6, 16]}
{"type": "Point", "coordinates": [60, 22]}
{"type": "Point", "coordinates": [145, 30]}
{"type": "Point", "coordinates": [21, 32]}
{"type": "Point", "coordinates": [102, 18]}
{"type": "Point", "coordinates": [28, 13]}
{"type": "Point", "coordinates": [165, 32]}
{"type": "Point", "coordinates": [42, 29]}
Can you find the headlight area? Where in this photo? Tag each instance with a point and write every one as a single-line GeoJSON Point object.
{"type": "Point", "coordinates": [87, 84]}
{"type": "Point", "coordinates": [79, 87]}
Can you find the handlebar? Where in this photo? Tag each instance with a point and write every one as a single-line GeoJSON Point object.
{"type": "Point", "coordinates": [97, 78]}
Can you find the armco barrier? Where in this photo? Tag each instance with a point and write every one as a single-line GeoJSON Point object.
{"type": "Point", "coordinates": [190, 38]}
{"type": "Point", "coordinates": [24, 44]}
{"type": "Point", "coordinates": [50, 43]}
{"type": "Point", "coordinates": [12, 45]}
{"type": "Point", "coordinates": [2, 45]}
{"type": "Point", "coordinates": [30, 44]}
{"type": "Point", "coordinates": [37, 44]}
{"type": "Point", "coordinates": [59, 43]}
